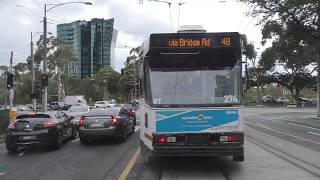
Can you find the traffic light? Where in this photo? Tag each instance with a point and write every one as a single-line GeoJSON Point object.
{"type": "Point", "coordinates": [44, 80]}
{"type": "Point", "coordinates": [10, 80]}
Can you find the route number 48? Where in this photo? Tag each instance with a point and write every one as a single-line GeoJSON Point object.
{"type": "Point", "coordinates": [226, 41]}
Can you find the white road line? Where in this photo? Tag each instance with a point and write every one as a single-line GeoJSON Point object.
{"type": "Point", "coordinates": [75, 140]}
{"type": "Point", "coordinates": [280, 132]}
{"type": "Point", "coordinates": [137, 128]}
{"type": "Point", "coordinates": [304, 126]}
{"type": "Point", "coordinates": [2, 174]}
{"type": "Point", "coordinates": [22, 153]}
{"type": "Point", "coordinates": [275, 120]}
{"type": "Point", "coordinates": [317, 134]}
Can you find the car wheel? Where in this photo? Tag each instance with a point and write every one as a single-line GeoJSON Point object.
{"type": "Point", "coordinates": [59, 141]}
{"type": "Point", "coordinates": [11, 148]}
{"type": "Point", "coordinates": [74, 133]}
{"type": "Point", "coordinates": [84, 141]}
{"type": "Point", "coordinates": [124, 135]}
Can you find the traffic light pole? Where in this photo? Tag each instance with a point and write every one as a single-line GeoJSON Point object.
{"type": "Point", "coordinates": [45, 89]}
{"type": "Point", "coordinates": [34, 100]}
{"type": "Point", "coordinates": [11, 89]}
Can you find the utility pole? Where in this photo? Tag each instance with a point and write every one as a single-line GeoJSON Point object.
{"type": "Point", "coordinates": [6, 90]}
{"type": "Point", "coordinates": [318, 61]}
{"type": "Point", "coordinates": [11, 89]}
{"type": "Point", "coordinates": [45, 89]}
{"type": "Point", "coordinates": [180, 4]}
{"type": "Point", "coordinates": [33, 80]}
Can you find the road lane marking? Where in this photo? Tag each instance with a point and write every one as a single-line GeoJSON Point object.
{"type": "Point", "coordinates": [22, 153]}
{"type": "Point", "coordinates": [75, 140]}
{"type": "Point", "coordinates": [280, 132]}
{"type": "Point", "coordinates": [317, 134]}
{"type": "Point", "coordinates": [2, 174]}
{"type": "Point", "coordinates": [276, 120]}
{"type": "Point", "coordinates": [132, 161]}
{"type": "Point", "coordinates": [304, 126]}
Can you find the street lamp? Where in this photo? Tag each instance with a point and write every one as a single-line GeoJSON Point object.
{"type": "Point", "coordinates": [45, 93]}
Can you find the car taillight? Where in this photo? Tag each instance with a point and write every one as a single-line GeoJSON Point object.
{"type": "Point", "coordinates": [232, 138]}
{"type": "Point", "coordinates": [11, 126]}
{"type": "Point", "coordinates": [49, 123]}
{"type": "Point", "coordinates": [115, 120]}
{"type": "Point", "coordinates": [81, 122]}
{"type": "Point", "coordinates": [229, 138]}
{"type": "Point", "coordinates": [166, 139]}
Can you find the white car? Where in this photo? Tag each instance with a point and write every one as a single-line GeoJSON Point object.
{"type": "Point", "coordinates": [282, 100]}
{"type": "Point", "coordinates": [101, 104]}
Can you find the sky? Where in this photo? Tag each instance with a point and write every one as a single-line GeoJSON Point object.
{"type": "Point", "coordinates": [134, 21]}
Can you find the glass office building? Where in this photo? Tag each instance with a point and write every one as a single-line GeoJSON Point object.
{"type": "Point", "coordinates": [93, 43]}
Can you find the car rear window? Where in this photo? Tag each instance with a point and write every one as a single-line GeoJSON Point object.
{"type": "Point", "coordinates": [33, 118]}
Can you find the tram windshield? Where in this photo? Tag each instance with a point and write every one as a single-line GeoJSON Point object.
{"type": "Point", "coordinates": [180, 81]}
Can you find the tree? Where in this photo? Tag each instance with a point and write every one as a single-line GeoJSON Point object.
{"type": "Point", "coordinates": [58, 62]}
{"type": "Point", "coordinates": [289, 54]}
{"type": "Point", "coordinates": [107, 79]}
{"type": "Point", "coordinates": [250, 54]}
{"type": "Point", "coordinates": [52, 43]}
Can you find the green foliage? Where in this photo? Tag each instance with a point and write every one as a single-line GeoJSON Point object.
{"type": "Point", "coordinates": [294, 27]}
{"type": "Point", "coordinates": [22, 89]}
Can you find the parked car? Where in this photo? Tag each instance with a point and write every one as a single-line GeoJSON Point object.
{"type": "Point", "coordinates": [101, 104]}
{"type": "Point", "coordinates": [76, 111]}
{"type": "Point", "coordinates": [268, 99]}
{"type": "Point", "coordinates": [282, 100]}
{"type": "Point", "coordinates": [103, 123]}
{"type": "Point", "coordinates": [304, 99]}
{"type": "Point", "coordinates": [39, 129]}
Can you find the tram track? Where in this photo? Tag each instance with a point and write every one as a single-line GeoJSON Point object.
{"type": "Point", "coordinates": [296, 161]}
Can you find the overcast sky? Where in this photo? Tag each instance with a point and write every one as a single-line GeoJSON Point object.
{"type": "Point", "coordinates": [133, 20]}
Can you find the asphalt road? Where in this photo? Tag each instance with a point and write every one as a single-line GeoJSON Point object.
{"type": "Point", "coordinates": [100, 160]}
{"type": "Point", "coordinates": [280, 143]}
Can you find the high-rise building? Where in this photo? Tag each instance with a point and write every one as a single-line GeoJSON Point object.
{"type": "Point", "coordinates": [93, 43]}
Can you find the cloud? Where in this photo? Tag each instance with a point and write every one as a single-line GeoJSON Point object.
{"type": "Point", "coordinates": [134, 21]}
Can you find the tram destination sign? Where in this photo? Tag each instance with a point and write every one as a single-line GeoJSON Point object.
{"type": "Point", "coordinates": [195, 40]}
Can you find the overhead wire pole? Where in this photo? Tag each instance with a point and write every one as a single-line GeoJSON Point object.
{"type": "Point", "coordinates": [180, 4]}
{"type": "Point", "coordinates": [318, 61]}
{"type": "Point", "coordinates": [33, 80]}
{"type": "Point", "coordinates": [45, 90]}
{"type": "Point", "coordinates": [11, 92]}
